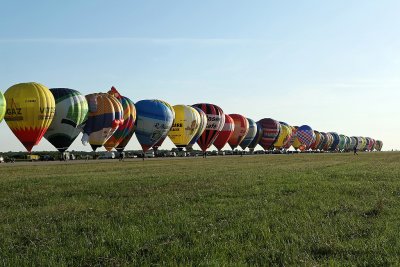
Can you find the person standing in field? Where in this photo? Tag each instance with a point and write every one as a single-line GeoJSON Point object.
{"type": "Point", "coordinates": [355, 150]}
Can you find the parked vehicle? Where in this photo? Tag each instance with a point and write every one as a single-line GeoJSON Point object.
{"type": "Point", "coordinates": [149, 154]}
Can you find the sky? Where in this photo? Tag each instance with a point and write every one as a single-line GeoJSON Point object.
{"type": "Point", "coordinates": [333, 65]}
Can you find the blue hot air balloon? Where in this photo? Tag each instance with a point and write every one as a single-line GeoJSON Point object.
{"type": "Point", "coordinates": [250, 134]}
{"type": "Point", "coordinates": [257, 137]}
{"type": "Point", "coordinates": [336, 140]}
{"type": "Point", "coordinates": [153, 122]}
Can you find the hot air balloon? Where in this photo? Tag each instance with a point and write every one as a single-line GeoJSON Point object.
{"type": "Point", "coordinates": [225, 133]}
{"type": "Point", "coordinates": [342, 142]}
{"type": "Point", "coordinates": [161, 141]}
{"type": "Point", "coordinates": [371, 144]}
{"type": "Point", "coordinates": [364, 143]}
{"type": "Point", "coordinates": [30, 110]}
{"type": "Point", "coordinates": [2, 106]}
{"type": "Point", "coordinates": [185, 126]}
{"type": "Point", "coordinates": [348, 143]}
{"type": "Point", "coordinates": [71, 113]}
{"type": "Point", "coordinates": [215, 122]}
{"type": "Point", "coordinates": [305, 136]}
{"type": "Point", "coordinates": [250, 134]}
{"type": "Point", "coordinates": [105, 116]}
{"type": "Point", "coordinates": [314, 145]}
{"type": "Point", "coordinates": [271, 129]}
{"type": "Point", "coordinates": [329, 141]}
{"type": "Point", "coordinates": [353, 142]}
{"type": "Point", "coordinates": [378, 145]}
{"type": "Point", "coordinates": [292, 138]}
{"type": "Point", "coordinates": [200, 130]}
{"type": "Point", "coordinates": [240, 130]}
{"type": "Point", "coordinates": [121, 146]}
{"type": "Point", "coordinates": [127, 127]}
{"type": "Point", "coordinates": [284, 136]}
{"type": "Point", "coordinates": [257, 138]}
{"type": "Point", "coordinates": [335, 143]}
{"type": "Point", "coordinates": [323, 142]}
{"type": "Point", "coordinates": [154, 120]}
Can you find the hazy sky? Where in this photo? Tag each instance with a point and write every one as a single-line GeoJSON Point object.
{"type": "Point", "coordinates": [334, 65]}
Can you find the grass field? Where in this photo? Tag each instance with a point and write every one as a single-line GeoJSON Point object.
{"type": "Point", "coordinates": [254, 210]}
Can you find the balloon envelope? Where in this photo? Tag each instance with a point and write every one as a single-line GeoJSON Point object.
{"type": "Point", "coordinates": [225, 133]}
{"type": "Point", "coordinates": [161, 141]}
{"type": "Point", "coordinates": [284, 136]}
{"type": "Point", "coordinates": [240, 130]}
{"type": "Point", "coordinates": [185, 125]}
{"type": "Point", "coordinates": [250, 134]}
{"type": "Point", "coordinates": [342, 142]}
{"type": "Point", "coordinates": [200, 130]}
{"type": "Point", "coordinates": [305, 135]}
{"type": "Point", "coordinates": [317, 140]}
{"type": "Point", "coordinates": [2, 106]}
{"type": "Point", "coordinates": [292, 137]}
{"type": "Point", "coordinates": [271, 129]}
{"type": "Point", "coordinates": [105, 116]}
{"type": "Point", "coordinates": [154, 120]}
{"type": "Point", "coordinates": [30, 110]}
{"type": "Point", "coordinates": [215, 122]}
{"type": "Point", "coordinates": [335, 143]}
{"type": "Point", "coordinates": [127, 127]}
{"type": "Point", "coordinates": [71, 113]}
{"type": "Point", "coordinates": [256, 138]}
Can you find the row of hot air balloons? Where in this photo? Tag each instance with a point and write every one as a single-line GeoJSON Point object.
{"type": "Point", "coordinates": [33, 111]}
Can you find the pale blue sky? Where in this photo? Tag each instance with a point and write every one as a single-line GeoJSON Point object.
{"type": "Point", "coordinates": [333, 65]}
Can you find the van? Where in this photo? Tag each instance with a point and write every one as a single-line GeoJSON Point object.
{"type": "Point", "coordinates": [149, 154]}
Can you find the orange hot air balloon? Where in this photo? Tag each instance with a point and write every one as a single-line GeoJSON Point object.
{"type": "Point", "coordinates": [240, 130]}
{"type": "Point", "coordinates": [29, 112]}
{"type": "Point", "coordinates": [126, 129]}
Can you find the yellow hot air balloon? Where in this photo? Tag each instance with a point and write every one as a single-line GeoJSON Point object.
{"type": "Point", "coordinates": [185, 126]}
{"type": "Point", "coordinates": [30, 110]}
{"type": "Point", "coordinates": [2, 106]}
{"type": "Point", "coordinates": [283, 137]}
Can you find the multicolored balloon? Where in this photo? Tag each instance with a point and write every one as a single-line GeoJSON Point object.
{"type": "Point", "coordinates": [284, 136]}
{"type": "Point", "coordinates": [105, 116]}
{"type": "Point", "coordinates": [323, 141]}
{"type": "Point", "coordinates": [257, 137]}
{"type": "Point", "coordinates": [154, 120]}
{"type": "Point", "coordinates": [250, 134]}
{"type": "Point", "coordinates": [271, 129]}
{"type": "Point", "coordinates": [378, 145]}
{"type": "Point", "coordinates": [30, 109]}
{"type": "Point", "coordinates": [329, 142]}
{"type": "Point", "coordinates": [200, 130]}
{"type": "Point", "coordinates": [305, 135]}
{"type": "Point", "coordinates": [240, 131]}
{"type": "Point", "coordinates": [129, 116]}
{"type": "Point", "coordinates": [185, 126]}
{"type": "Point", "coordinates": [292, 138]}
{"type": "Point", "coordinates": [70, 116]}
{"type": "Point", "coordinates": [317, 140]}
{"type": "Point", "coordinates": [335, 143]}
{"type": "Point", "coordinates": [215, 123]}
{"type": "Point", "coordinates": [225, 133]}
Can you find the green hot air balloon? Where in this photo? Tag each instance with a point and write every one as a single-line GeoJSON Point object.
{"type": "Point", "coordinates": [71, 114]}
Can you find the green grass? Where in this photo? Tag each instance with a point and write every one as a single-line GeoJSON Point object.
{"type": "Point", "coordinates": [260, 210]}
